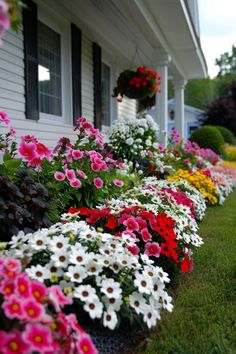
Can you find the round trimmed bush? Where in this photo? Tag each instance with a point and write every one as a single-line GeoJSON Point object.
{"type": "Point", "coordinates": [227, 135]}
{"type": "Point", "coordinates": [208, 137]}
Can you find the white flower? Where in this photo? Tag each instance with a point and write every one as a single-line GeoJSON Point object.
{"type": "Point", "coordinates": [93, 268]}
{"type": "Point", "coordinates": [166, 301]}
{"type": "Point", "coordinates": [67, 287]}
{"type": "Point", "coordinates": [38, 272]}
{"type": "Point", "coordinates": [143, 283]}
{"type": "Point", "coordinates": [53, 269]}
{"type": "Point", "coordinates": [76, 273]}
{"type": "Point", "coordinates": [60, 259]}
{"type": "Point", "coordinates": [78, 256]}
{"type": "Point", "coordinates": [129, 141]}
{"type": "Point", "coordinates": [146, 259]}
{"type": "Point", "coordinates": [19, 238]}
{"type": "Point", "coordinates": [94, 308]}
{"type": "Point", "coordinates": [112, 304]}
{"type": "Point", "coordinates": [85, 293]}
{"type": "Point", "coordinates": [110, 319]}
{"type": "Point", "coordinates": [138, 302]}
{"type": "Point", "coordinates": [150, 316]}
{"type": "Point", "coordinates": [111, 288]}
{"type": "Point", "coordinates": [38, 241]}
{"type": "Point", "coordinates": [58, 243]}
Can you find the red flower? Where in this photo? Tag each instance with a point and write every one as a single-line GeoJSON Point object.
{"type": "Point", "coordinates": [186, 265]}
{"type": "Point", "coordinates": [111, 223]}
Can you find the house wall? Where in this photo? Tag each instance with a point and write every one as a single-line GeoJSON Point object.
{"type": "Point", "coordinates": [12, 88]}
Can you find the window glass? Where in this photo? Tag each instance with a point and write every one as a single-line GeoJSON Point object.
{"type": "Point", "coordinates": [49, 70]}
{"type": "Point", "coordinates": [105, 94]}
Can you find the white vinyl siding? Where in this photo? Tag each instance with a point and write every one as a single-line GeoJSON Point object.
{"type": "Point", "coordinates": [126, 108]}
{"type": "Point", "coordinates": [87, 79]}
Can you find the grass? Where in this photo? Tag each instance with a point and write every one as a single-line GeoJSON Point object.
{"type": "Point", "coordinates": [204, 316]}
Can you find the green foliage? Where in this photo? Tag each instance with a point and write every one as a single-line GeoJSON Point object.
{"type": "Point", "coordinates": [24, 204]}
{"type": "Point", "coordinates": [203, 320]}
{"type": "Point", "coordinates": [227, 135]}
{"type": "Point", "coordinates": [227, 63]}
{"type": "Point", "coordinates": [208, 137]}
{"type": "Point", "coordinates": [199, 92]}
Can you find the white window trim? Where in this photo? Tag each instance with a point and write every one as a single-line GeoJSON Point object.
{"type": "Point", "coordinates": [63, 28]}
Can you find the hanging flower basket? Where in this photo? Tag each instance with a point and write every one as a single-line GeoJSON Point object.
{"type": "Point", "coordinates": [146, 103]}
{"type": "Point", "coordinates": [137, 84]}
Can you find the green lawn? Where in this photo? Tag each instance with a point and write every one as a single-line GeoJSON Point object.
{"type": "Point", "coordinates": [204, 316]}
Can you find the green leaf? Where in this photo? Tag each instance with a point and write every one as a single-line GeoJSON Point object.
{"type": "Point", "coordinates": [13, 164]}
{"type": "Point", "coordinates": [6, 157]}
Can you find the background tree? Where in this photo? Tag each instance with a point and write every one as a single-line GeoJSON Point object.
{"type": "Point", "coordinates": [227, 63]}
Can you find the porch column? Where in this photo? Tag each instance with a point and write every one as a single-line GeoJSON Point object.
{"type": "Point", "coordinates": [162, 60]}
{"type": "Point", "coordinates": [179, 85]}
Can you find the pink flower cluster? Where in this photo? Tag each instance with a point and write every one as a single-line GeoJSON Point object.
{"type": "Point", "coordinates": [7, 140]}
{"type": "Point", "coordinates": [181, 199]}
{"type": "Point", "coordinates": [31, 326]}
{"type": "Point", "coordinates": [85, 128]}
{"type": "Point", "coordinates": [226, 170]}
{"type": "Point", "coordinates": [210, 156]}
{"type": "Point", "coordinates": [175, 137]}
{"type": "Point", "coordinates": [33, 152]}
{"type": "Point", "coordinates": [4, 19]}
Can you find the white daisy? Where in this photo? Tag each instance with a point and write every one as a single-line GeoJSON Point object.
{"type": "Point", "coordinates": [93, 268]}
{"type": "Point", "coordinates": [58, 243]}
{"type": "Point", "coordinates": [150, 316]}
{"type": "Point", "coordinates": [85, 293]}
{"type": "Point", "coordinates": [94, 308]}
{"type": "Point", "coordinates": [112, 304]}
{"type": "Point", "coordinates": [78, 256]}
{"type": "Point", "coordinates": [143, 283]}
{"type": "Point", "coordinates": [76, 273]}
{"type": "Point", "coordinates": [166, 301]}
{"type": "Point", "coordinates": [19, 238]}
{"type": "Point", "coordinates": [111, 288]}
{"type": "Point", "coordinates": [60, 259]}
{"type": "Point", "coordinates": [39, 273]}
{"type": "Point", "coordinates": [38, 241]}
{"type": "Point", "coordinates": [110, 319]}
{"type": "Point", "coordinates": [138, 302]}
{"type": "Point", "coordinates": [53, 269]}
{"type": "Point", "coordinates": [163, 276]}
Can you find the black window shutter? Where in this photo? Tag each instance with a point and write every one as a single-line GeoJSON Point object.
{"type": "Point", "coordinates": [31, 59]}
{"type": "Point", "coordinates": [76, 70]}
{"type": "Point", "coordinates": [97, 79]}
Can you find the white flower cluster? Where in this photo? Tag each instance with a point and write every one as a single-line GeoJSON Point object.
{"type": "Point", "coordinates": [97, 270]}
{"type": "Point", "coordinates": [132, 137]}
{"type": "Point", "coordinates": [192, 193]}
{"type": "Point", "coordinates": [224, 185]}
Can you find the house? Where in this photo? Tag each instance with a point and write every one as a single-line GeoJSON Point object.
{"type": "Point", "coordinates": [191, 117]}
{"type": "Point", "coordinates": [66, 58]}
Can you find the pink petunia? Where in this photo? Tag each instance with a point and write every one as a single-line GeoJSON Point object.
{"type": "Point", "coordinates": [70, 174]}
{"type": "Point", "coordinates": [150, 153]}
{"type": "Point", "coordinates": [43, 151]}
{"type": "Point", "coordinates": [23, 288]}
{"type": "Point", "coordinates": [29, 139]}
{"type": "Point", "coordinates": [27, 151]}
{"type": "Point", "coordinates": [81, 174]}
{"type": "Point", "coordinates": [4, 118]}
{"type": "Point", "coordinates": [4, 23]}
{"type": "Point", "coordinates": [33, 311]}
{"type": "Point", "coordinates": [77, 154]}
{"type": "Point", "coordinates": [133, 249]}
{"type": "Point", "coordinates": [59, 176]}
{"type": "Point", "coordinates": [38, 337]}
{"type": "Point", "coordinates": [75, 183]}
{"type": "Point", "coordinates": [131, 224]}
{"type": "Point", "coordinates": [57, 297]}
{"type": "Point", "coordinates": [152, 249]}
{"type": "Point", "coordinates": [14, 344]}
{"type": "Point", "coordinates": [38, 290]}
{"type": "Point", "coordinates": [36, 162]}
{"type": "Point", "coordinates": [7, 288]}
{"type": "Point", "coordinates": [12, 264]}
{"type": "Point", "coordinates": [13, 308]}
{"type": "Point", "coordinates": [146, 236]}
{"type": "Point", "coordinates": [98, 182]}
{"type": "Point", "coordinates": [85, 345]}
{"type": "Point", "coordinates": [96, 167]}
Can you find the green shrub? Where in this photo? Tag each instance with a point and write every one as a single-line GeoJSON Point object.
{"type": "Point", "coordinates": [227, 135]}
{"type": "Point", "coordinates": [208, 137]}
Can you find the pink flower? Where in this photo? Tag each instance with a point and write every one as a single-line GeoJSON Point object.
{"type": "Point", "coordinates": [13, 132]}
{"type": "Point", "coordinates": [77, 154]}
{"type": "Point", "coordinates": [59, 176]}
{"type": "Point", "coordinates": [29, 139]}
{"type": "Point", "coordinates": [85, 345]}
{"type": "Point", "coordinates": [98, 182]}
{"type": "Point", "coordinates": [57, 297]}
{"type": "Point", "coordinates": [4, 23]}
{"type": "Point", "coordinates": [4, 118]}
{"type": "Point", "coordinates": [39, 290]}
{"type": "Point", "coordinates": [27, 151]}
{"type": "Point", "coordinates": [152, 249]}
{"type": "Point", "coordinates": [129, 233]}
{"type": "Point", "coordinates": [12, 264]}
{"type": "Point", "coordinates": [43, 151]}
{"type": "Point", "coordinates": [133, 249]}
{"type": "Point", "coordinates": [70, 174]}
{"type": "Point", "coordinates": [3, 6]}
{"type": "Point", "coordinates": [81, 174]}
{"type": "Point", "coordinates": [23, 288]}
{"type": "Point", "coordinates": [161, 148]}
{"type": "Point", "coordinates": [132, 224]}
{"type": "Point", "coordinates": [33, 310]}
{"type": "Point", "coordinates": [72, 320]}
{"type": "Point", "coordinates": [95, 167]}
{"type": "Point", "coordinates": [150, 153]}
{"type": "Point", "coordinates": [146, 236]}
{"type": "Point", "coordinates": [13, 308]}
{"type": "Point", "coordinates": [7, 288]}
{"type": "Point", "coordinates": [38, 337]}
{"type": "Point", "coordinates": [13, 344]}
{"type": "Point", "coordinates": [118, 183]}
{"type": "Point", "coordinates": [186, 161]}
{"type": "Point", "coordinates": [35, 162]}
{"type": "Point", "coordinates": [75, 183]}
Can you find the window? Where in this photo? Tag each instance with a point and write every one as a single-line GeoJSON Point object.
{"type": "Point", "coordinates": [49, 70]}
{"type": "Point", "coordinates": [106, 95]}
